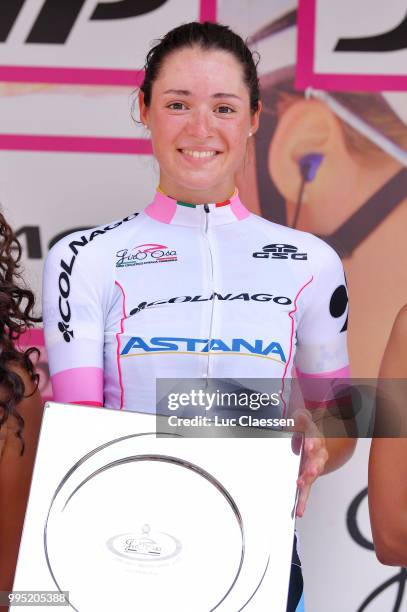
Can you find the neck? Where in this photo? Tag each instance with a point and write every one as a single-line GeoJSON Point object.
{"type": "Point", "coordinates": [197, 197]}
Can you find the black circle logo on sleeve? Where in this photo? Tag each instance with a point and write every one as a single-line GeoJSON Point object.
{"type": "Point", "coordinates": [339, 304]}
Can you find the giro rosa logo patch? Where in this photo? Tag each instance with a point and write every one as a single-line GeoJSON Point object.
{"type": "Point", "coordinates": [280, 251]}
{"type": "Point", "coordinates": [145, 254]}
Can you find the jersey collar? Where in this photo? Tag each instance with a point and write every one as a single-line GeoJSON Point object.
{"type": "Point", "coordinates": [168, 210]}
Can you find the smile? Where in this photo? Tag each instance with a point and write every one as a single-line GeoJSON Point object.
{"type": "Point", "coordinates": [198, 154]}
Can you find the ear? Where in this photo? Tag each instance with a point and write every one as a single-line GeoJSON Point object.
{"type": "Point", "coordinates": [142, 108]}
{"type": "Point", "coordinates": [255, 119]}
{"type": "Point", "coordinates": [307, 127]}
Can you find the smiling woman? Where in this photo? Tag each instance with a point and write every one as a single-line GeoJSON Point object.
{"type": "Point", "coordinates": [200, 133]}
{"type": "Point", "coordinates": [112, 325]}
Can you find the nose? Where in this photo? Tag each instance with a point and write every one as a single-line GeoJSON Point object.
{"type": "Point", "coordinates": [200, 124]}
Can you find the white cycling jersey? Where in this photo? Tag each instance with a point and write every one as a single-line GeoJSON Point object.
{"type": "Point", "coordinates": [185, 291]}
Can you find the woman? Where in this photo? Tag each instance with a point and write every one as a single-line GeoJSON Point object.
{"type": "Point", "coordinates": [388, 455]}
{"type": "Point", "coordinates": [20, 404]}
{"type": "Point", "coordinates": [195, 285]}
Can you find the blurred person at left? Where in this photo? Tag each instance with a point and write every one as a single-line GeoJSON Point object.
{"type": "Point", "coordinates": [20, 402]}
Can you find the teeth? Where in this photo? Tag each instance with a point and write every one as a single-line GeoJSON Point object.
{"type": "Point", "coordinates": [199, 153]}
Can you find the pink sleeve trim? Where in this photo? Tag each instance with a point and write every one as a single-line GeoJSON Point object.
{"type": "Point", "coordinates": [320, 391]}
{"type": "Point", "coordinates": [341, 373]}
{"type": "Point", "coordinates": [78, 385]}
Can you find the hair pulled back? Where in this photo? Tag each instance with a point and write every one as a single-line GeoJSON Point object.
{"type": "Point", "coordinates": [16, 304]}
{"type": "Point", "coordinates": [205, 35]}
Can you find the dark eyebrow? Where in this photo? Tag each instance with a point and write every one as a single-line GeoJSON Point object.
{"type": "Point", "coordinates": [185, 92]}
{"type": "Point", "coordinates": [226, 95]}
{"type": "Point", "coordinates": [178, 92]}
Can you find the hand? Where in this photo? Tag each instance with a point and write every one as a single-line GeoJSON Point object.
{"type": "Point", "coordinates": [314, 456]}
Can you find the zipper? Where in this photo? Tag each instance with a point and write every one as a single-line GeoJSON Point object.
{"type": "Point", "coordinates": [207, 213]}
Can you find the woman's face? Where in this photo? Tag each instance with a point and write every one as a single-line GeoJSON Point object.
{"type": "Point", "coordinates": [200, 119]}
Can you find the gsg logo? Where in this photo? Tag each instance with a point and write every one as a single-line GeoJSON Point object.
{"type": "Point", "coordinates": [280, 251]}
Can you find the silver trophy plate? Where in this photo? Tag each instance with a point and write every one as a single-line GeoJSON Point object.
{"type": "Point", "coordinates": [124, 520]}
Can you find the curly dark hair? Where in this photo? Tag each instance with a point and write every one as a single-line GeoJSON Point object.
{"type": "Point", "coordinates": [16, 306]}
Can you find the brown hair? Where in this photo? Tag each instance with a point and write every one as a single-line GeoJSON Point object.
{"type": "Point", "coordinates": [205, 35]}
{"type": "Point", "coordinates": [16, 305]}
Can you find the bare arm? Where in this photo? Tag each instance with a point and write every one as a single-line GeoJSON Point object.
{"type": "Point", "coordinates": [15, 479]}
{"type": "Point", "coordinates": [388, 463]}
{"type": "Point", "coordinates": [340, 450]}
{"type": "Point", "coordinates": [322, 454]}
{"type": "Point", "coordinates": [333, 424]}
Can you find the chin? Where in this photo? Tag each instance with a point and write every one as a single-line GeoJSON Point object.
{"type": "Point", "coordinates": [204, 183]}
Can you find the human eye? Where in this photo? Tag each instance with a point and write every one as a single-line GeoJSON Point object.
{"type": "Point", "coordinates": [225, 110]}
{"type": "Point", "coordinates": [176, 106]}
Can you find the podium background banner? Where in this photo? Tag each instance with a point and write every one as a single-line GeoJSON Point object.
{"type": "Point", "coordinates": [71, 156]}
